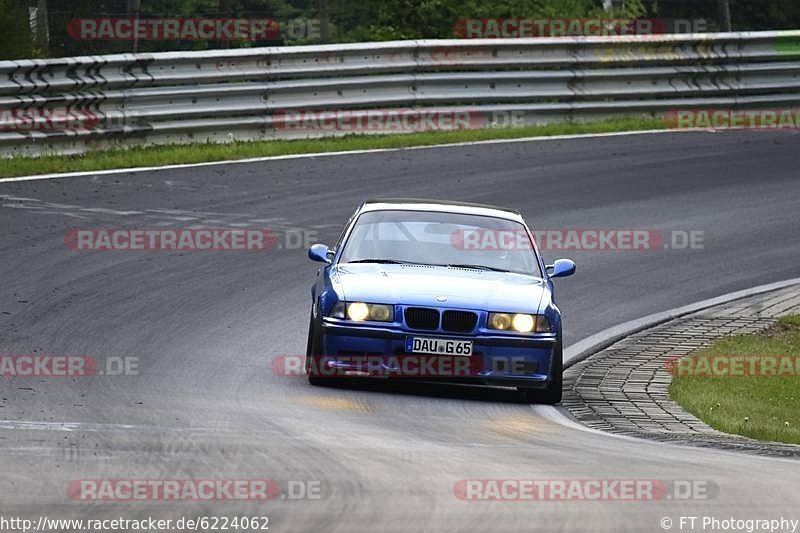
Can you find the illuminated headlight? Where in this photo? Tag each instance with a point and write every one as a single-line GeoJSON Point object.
{"type": "Point", "coordinates": [519, 322]}
{"type": "Point", "coordinates": [359, 312]}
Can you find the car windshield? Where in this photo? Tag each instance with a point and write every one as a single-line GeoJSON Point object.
{"type": "Point", "coordinates": [437, 238]}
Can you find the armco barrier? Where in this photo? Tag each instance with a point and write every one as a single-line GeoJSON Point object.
{"type": "Point", "coordinates": [69, 105]}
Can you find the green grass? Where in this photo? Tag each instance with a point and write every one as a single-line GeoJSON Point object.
{"type": "Point", "coordinates": [763, 407]}
{"type": "Point", "coordinates": [196, 153]}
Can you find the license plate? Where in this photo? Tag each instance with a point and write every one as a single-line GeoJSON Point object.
{"type": "Point", "coordinates": [438, 346]}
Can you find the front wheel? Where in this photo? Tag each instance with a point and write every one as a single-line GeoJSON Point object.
{"type": "Point", "coordinates": [551, 394]}
{"type": "Point", "coordinates": [313, 347]}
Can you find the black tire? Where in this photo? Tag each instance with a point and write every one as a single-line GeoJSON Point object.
{"type": "Point", "coordinates": [313, 347]}
{"type": "Point", "coordinates": [551, 394]}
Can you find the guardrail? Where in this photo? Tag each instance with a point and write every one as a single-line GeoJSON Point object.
{"type": "Point", "coordinates": [69, 105]}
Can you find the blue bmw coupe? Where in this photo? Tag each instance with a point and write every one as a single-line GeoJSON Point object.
{"type": "Point", "coordinates": [437, 291]}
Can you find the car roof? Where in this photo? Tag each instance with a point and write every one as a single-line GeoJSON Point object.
{"type": "Point", "coordinates": [444, 206]}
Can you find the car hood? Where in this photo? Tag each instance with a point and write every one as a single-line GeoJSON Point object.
{"type": "Point", "coordinates": [422, 285]}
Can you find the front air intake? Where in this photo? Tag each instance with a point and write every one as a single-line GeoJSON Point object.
{"type": "Point", "coordinates": [422, 318]}
{"type": "Point", "coordinates": [461, 321]}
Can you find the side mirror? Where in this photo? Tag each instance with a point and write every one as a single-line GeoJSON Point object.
{"type": "Point", "coordinates": [319, 252]}
{"type": "Point", "coordinates": [562, 268]}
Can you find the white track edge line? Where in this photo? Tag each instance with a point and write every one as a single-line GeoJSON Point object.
{"type": "Point", "coordinates": [594, 343]}
{"type": "Point", "coordinates": [339, 153]}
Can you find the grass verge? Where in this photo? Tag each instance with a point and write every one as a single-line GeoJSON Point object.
{"type": "Point", "coordinates": [764, 407]}
{"type": "Point", "coordinates": [197, 153]}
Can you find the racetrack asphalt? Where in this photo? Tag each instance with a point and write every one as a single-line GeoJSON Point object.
{"type": "Point", "coordinates": [204, 325]}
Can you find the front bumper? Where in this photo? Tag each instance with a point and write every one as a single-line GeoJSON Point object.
{"type": "Point", "coordinates": [503, 360]}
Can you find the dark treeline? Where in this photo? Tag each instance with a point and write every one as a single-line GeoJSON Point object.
{"type": "Point", "coordinates": [38, 28]}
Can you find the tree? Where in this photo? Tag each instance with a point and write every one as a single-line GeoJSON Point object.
{"type": "Point", "coordinates": [16, 41]}
{"type": "Point", "coordinates": [724, 10]}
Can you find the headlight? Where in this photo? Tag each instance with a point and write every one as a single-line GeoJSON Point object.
{"type": "Point", "coordinates": [359, 312]}
{"type": "Point", "coordinates": [520, 322]}
{"type": "Point", "coordinates": [523, 323]}
{"type": "Point", "coordinates": [381, 313]}
{"type": "Point", "coordinates": [499, 320]}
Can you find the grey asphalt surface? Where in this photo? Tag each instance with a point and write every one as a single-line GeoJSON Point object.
{"type": "Point", "coordinates": [204, 325]}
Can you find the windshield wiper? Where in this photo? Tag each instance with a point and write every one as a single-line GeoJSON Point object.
{"type": "Point", "coordinates": [382, 261]}
{"type": "Point", "coordinates": [450, 265]}
{"type": "Point", "coordinates": [476, 267]}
